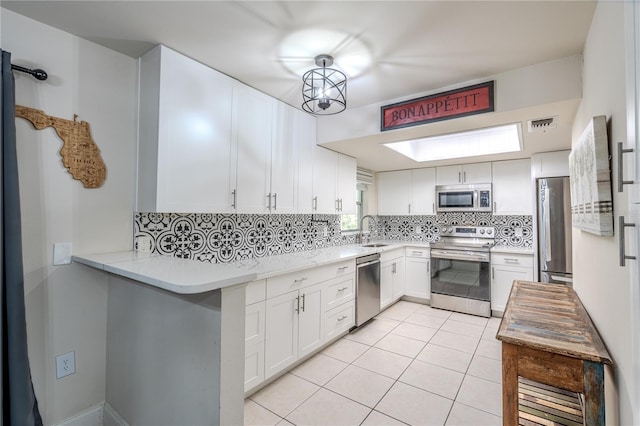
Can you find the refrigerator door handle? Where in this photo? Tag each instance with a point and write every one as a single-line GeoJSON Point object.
{"type": "Point", "coordinates": [562, 279]}
{"type": "Point", "coordinates": [547, 226]}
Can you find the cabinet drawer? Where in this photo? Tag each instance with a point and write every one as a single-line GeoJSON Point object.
{"type": "Point", "coordinates": [297, 280]}
{"type": "Point", "coordinates": [254, 323]}
{"type": "Point", "coordinates": [337, 291]}
{"type": "Point", "coordinates": [393, 254]}
{"type": "Point", "coordinates": [256, 291]}
{"type": "Point", "coordinates": [512, 259]}
{"type": "Point", "coordinates": [417, 252]}
{"type": "Point", "coordinates": [339, 320]}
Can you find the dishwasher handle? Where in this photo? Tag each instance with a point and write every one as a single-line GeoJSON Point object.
{"type": "Point", "coordinates": [368, 260]}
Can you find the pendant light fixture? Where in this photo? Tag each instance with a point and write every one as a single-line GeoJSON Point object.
{"type": "Point", "coordinates": [324, 90]}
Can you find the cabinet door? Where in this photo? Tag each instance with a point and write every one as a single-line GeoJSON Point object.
{"type": "Point", "coordinates": [254, 345]}
{"type": "Point", "coordinates": [304, 138]}
{"type": "Point", "coordinates": [346, 184]}
{"type": "Point", "coordinates": [393, 192]}
{"type": "Point", "coordinates": [192, 138]}
{"type": "Point", "coordinates": [252, 131]}
{"type": "Point", "coordinates": [325, 171]}
{"type": "Point", "coordinates": [283, 162]}
{"type": "Point", "coordinates": [423, 191]}
{"type": "Point", "coordinates": [386, 283]}
{"type": "Point", "coordinates": [449, 175]}
{"type": "Point", "coordinates": [399, 278]}
{"type": "Point", "coordinates": [512, 187]}
{"type": "Point", "coordinates": [281, 336]}
{"type": "Point", "coordinates": [310, 331]}
{"type": "Point", "coordinates": [476, 173]}
{"type": "Point", "coordinates": [502, 278]}
{"type": "Point", "coordinates": [418, 278]}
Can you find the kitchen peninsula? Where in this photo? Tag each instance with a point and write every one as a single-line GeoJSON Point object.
{"type": "Point", "coordinates": [176, 329]}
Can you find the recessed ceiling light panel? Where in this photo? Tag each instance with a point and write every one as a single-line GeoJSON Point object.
{"type": "Point", "coordinates": [473, 143]}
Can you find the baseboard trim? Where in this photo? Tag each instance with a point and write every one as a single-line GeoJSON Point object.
{"type": "Point", "coordinates": [111, 417]}
{"type": "Point", "coordinates": [99, 415]}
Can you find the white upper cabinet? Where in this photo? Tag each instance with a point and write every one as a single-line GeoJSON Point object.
{"type": "Point", "coordinates": [407, 192]}
{"type": "Point", "coordinates": [334, 182]}
{"type": "Point", "coordinates": [512, 187]}
{"type": "Point", "coordinates": [394, 192]}
{"type": "Point", "coordinates": [467, 174]}
{"type": "Point", "coordinates": [210, 144]}
{"type": "Point", "coordinates": [253, 117]}
{"type": "Point", "coordinates": [184, 137]}
{"type": "Point", "coordinates": [325, 174]}
{"type": "Point", "coordinates": [304, 139]}
{"type": "Point", "coordinates": [346, 190]}
{"type": "Point", "coordinates": [423, 191]}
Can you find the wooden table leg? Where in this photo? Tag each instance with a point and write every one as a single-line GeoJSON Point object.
{"type": "Point", "coordinates": [509, 384]}
{"type": "Point", "coordinates": [593, 393]}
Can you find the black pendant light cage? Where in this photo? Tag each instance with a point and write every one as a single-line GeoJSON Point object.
{"type": "Point", "coordinates": [324, 90]}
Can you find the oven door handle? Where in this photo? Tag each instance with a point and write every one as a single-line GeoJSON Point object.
{"type": "Point", "coordinates": [442, 254]}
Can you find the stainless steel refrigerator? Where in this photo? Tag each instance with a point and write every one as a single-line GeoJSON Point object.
{"type": "Point", "coordinates": [554, 230]}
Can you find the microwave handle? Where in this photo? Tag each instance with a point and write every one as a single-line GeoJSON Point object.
{"type": "Point", "coordinates": [475, 198]}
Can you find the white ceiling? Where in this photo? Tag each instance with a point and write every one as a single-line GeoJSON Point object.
{"type": "Point", "coordinates": [408, 47]}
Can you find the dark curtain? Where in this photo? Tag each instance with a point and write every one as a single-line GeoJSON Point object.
{"type": "Point", "coordinates": [19, 404]}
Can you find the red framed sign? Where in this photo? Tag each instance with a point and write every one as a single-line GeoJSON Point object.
{"type": "Point", "coordinates": [470, 100]}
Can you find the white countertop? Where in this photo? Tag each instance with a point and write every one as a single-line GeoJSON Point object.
{"type": "Point", "coordinates": [512, 250]}
{"type": "Point", "coordinates": [191, 276]}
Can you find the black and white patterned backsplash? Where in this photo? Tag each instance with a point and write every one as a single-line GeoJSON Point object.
{"type": "Point", "coordinates": [222, 238]}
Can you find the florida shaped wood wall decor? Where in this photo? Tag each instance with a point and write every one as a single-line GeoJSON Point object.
{"type": "Point", "coordinates": [80, 154]}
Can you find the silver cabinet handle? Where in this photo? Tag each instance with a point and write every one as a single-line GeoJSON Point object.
{"type": "Point", "coordinates": [409, 208]}
{"type": "Point", "coordinates": [302, 308]}
{"type": "Point", "coordinates": [416, 252]}
{"type": "Point", "coordinates": [297, 309]}
{"type": "Point", "coordinates": [269, 198]}
{"type": "Point", "coordinates": [464, 177]}
{"type": "Point", "coordinates": [433, 208]}
{"type": "Point", "coordinates": [495, 207]}
{"type": "Point", "coordinates": [459, 177]}
{"type": "Point", "coordinates": [341, 204]}
{"type": "Point", "coordinates": [511, 260]}
{"type": "Point", "coordinates": [493, 273]}
{"type": "Point", "coordinates": [621, 181]}
{"type": "Point", "coordinates": [342, 289]}
{"type": "Point", "coordinates": [299, 280]}
{"type": "Point", "coordinates": [621, 226]}
{"type": "Point", "coordinates": [275, 200]}
{"type": "Point", "coordinates": [315, 203]}
{"type": "Point", "coordinates": [233, 203]}
{"type": "Point", "coordinates": [342, 318]}
{"type": "Point", "coordinates": [342, 268]}
{"type": "Point", "coordinates": [428, 266]}
{"type": "Point", "coordinates": [394, 268]}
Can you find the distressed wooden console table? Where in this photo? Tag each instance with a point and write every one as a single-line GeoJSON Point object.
{"type": "Point", "coordinates": [547, 336]}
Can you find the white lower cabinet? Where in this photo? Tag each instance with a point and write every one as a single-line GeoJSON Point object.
{"type": "Point", "coordinates": [254, 344]}
{"type": "Point", "coordinates": [418, 273]}
{"type": "Point", "coordinates": [392, 277]}
{"type": "Point", "coordinates": [505, 268]}
{"type": "Point", "coordinates": [301, 312]}
{"type": "Point", "coordinates": [294, 327]}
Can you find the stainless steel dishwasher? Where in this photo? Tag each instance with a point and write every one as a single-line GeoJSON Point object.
{"type": "Point", "coordinates": [367, 288]}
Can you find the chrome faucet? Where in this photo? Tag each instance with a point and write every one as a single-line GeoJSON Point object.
{"type": "Point", "coordinates": [361, 221]}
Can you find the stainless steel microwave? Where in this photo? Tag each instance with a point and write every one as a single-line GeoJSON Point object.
{"type": "Point", "coordinates": [464, 198]}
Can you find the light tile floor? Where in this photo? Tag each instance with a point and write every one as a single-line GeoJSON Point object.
{"type": "Point", "coordinates": [412, 364]}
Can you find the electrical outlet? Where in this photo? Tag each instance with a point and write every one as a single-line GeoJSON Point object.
{"type": "Point", "coordinates": [518, 231]}
{"type": "Point", "coordinates": [325, 231]}
{"type": "Point", "coordinates": [143, 243]}
{"type": "Point", "coordinates": [418, 229]}
{"type": "Point", "coordinates": [65, 364]}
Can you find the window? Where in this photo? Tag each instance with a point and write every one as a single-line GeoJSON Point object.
{"type": "Point", "coordinates": [351, 222]}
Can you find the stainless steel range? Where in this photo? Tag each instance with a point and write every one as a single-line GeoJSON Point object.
{"type": "Point", "coordinates": [460, 265]}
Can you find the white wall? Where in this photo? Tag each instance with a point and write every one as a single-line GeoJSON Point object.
{"type": "Point", "coordinates": [604, 286]}
{"type": "Point", "coordinates": [66, 305]}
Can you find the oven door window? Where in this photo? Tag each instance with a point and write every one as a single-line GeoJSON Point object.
{"type": "Point", "coordinates": [462, 278]}
{"type": "Point", "coordinates": [456, 199]}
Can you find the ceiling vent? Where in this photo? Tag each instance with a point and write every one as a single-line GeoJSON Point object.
{"type": "Point", "coordinates": [542, 124]}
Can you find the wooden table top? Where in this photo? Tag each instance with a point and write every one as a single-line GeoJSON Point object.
{"type": "Point", "coordinates": [551, 318]}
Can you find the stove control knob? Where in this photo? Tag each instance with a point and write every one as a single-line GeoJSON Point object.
{"type": "Point", "coordinates": [489, 231]}
{"type": "Point", "coordinates": [450, 230]}
{"type": "Point", "coordinates": [481, 231]}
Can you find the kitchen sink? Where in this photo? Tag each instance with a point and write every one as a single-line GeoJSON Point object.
{"type": "Point", "coordinates": [375, 245]}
